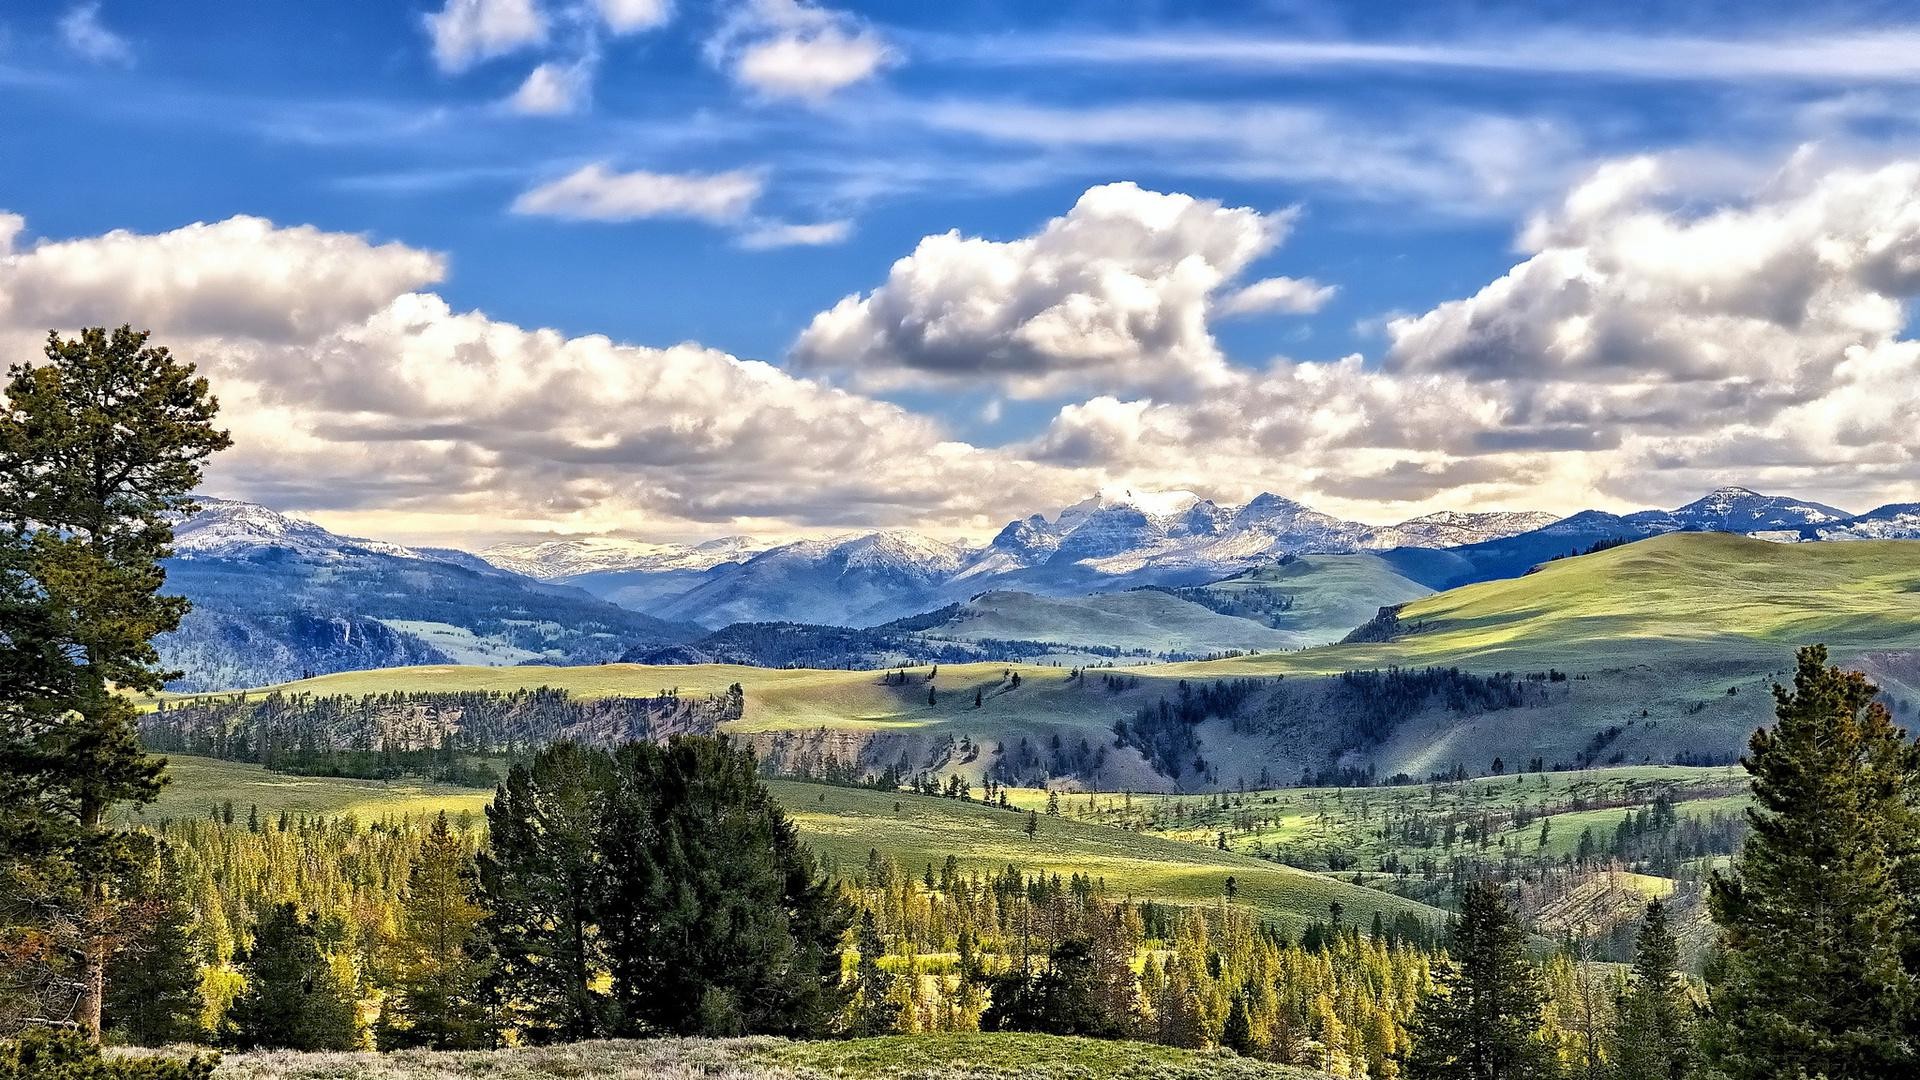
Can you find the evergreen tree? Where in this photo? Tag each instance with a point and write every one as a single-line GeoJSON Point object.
{"type": "Point", "coordinates": [100, 448]}
{"type": "Point", "coordinates": [1481, 1019]}
{"type": "Point", "coordinates": [437, 966]}
{"type": "Point", "coordinates": [542, 878]}
{"type": "Point", "coordinates": [1237, 1035]}
{"type": "Point", "coordinates": [59, 1055]}
{"type": "Point", "coordinates": [292, 1000]}
{"type": "Point", "coordinates": [153, 977]}
{"type": "Point", "coordinates": [713, 899]}
{"type": "Point", "coordinates": [873, 1011]}
{"type": "Point", "coordinates": [1653, 1037]}
{"type": "Point", "coordinates": [1815, 928]}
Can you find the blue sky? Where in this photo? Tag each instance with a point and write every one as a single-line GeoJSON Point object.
{"type": "Point", "coordinates": [721, 173]}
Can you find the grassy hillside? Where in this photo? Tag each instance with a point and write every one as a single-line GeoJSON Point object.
{"type": "Point", "coordinates": [1699, 598]}
{"type": "Point", "coordinates": [1138, 619]}
{"type": "Point", "coordinates": [842, 825]}
{"type": "Point", "coordinates": [919, 1057]}
{"type": "Point", "coordinates": [1310, 600]}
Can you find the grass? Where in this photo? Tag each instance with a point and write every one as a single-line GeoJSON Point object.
{"type": "Point", "coordinates": [198, 784]}
{"type": "Point", "coordinates": [1693, 597]}
{"type": "Point", "coordinates": [1304, 825]}
{"type": "Point", "coordinates": [910, 1057]}
{"type": "Point", "coordinates": [843, 824]}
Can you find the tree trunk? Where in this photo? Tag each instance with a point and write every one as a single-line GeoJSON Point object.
{"type": "Point", "coordinates": [93, 946]}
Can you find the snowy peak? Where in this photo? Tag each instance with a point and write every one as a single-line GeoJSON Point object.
{"type": "Point", "coordinates": [226, 529]}
{"type": "Point", "coordinates": [572, 556]}
{"type": "Point", "coordinates": [1894, 521]}
{"type": "Point", "coordinates": [1742, 510]}
{"type": "Point", "coordinates": [1453, 528]}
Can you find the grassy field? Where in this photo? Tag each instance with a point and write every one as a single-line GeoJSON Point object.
{"type": "Point", "coordinates": [1306, 825]}
{"type": "Point", "coordinates": [843, 824]}
{"type": "Point", "coordinates": [198, 784]}
{"type": "Point", "coordinates": [916, 1057]}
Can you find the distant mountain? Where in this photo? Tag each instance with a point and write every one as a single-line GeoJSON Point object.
{"type": "Point", "coordinates": [575, 556]}
{"type": "Point", "coordinates": [1894, 521]}
{"type": "Point", "coordinates": [276, 597]}
{"type": "Point", "coordinates": [1451, 528]}
{"type": "Point", "coordinates": [856, 580]}
{"type": "Point", "coordinates": [1739, 510]}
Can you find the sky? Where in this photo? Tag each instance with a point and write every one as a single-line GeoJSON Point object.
{"type": "Point", "coordinates": [469, 270]}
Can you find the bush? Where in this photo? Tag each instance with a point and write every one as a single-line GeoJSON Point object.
{"type": "Point", "coordinates": [62, 1055]}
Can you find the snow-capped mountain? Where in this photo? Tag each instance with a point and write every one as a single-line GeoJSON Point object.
{"type": "Point", "coordinates": [1451, 528]}
{"type": "Point", "coordinates": [857, 580]}
{"type": "Point", "coordinates": [275, 596]}
{"type": "Point", "coordinates": [226, 529]}
{"type": "Point", "coordinates": [570, 557]}
{"type": "Point", "coordinates": [1740, 510]}
{"type": "Point", "coordinates": [1894, 521]}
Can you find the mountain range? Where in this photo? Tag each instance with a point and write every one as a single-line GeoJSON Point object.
{"type": "Point", "coordinates": [277, 596]}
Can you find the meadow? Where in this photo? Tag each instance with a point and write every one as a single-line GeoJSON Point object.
{"type": "Point", "coordinates": [918, 1057]}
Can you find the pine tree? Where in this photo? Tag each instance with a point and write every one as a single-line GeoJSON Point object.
{"type": "Point", "coordinates": [100, 449]}
{"type": "Point", "coordinates": [436, 961]}
{"type": "Point", "coordinates": [1814, 925]}
{"type": "Point", "coordinates": [873, 1011]}
{"type": "Point", "coordinates": [292, 1000]}
{"type": "Point", "coordinates": [153, 977]}
{"type": "Point", "coordinates": [1653, 1037]}
{"type": "Point", "coordinates": [713, 899]}
{"type": "Point", "coordinates": [1237, 1035]}
{"type": "Point", "coordinates": [1481, 1019]}
{"type": "Point", "coordinates": [542, 878]}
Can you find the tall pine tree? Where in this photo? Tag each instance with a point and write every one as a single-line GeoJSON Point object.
{"type": "Point", "coordinates": [292, 999]}
{"type": "Point", "coordinates": [1653, 1032]}
{"type": "Point", "coordinates": [1481, 1020]}
{"type": "Point", "coordinates": [100, 449]}
{"type": "Point", "coordinates": [543, 878]}
{"type": "Point", "coordinates": [1816, 929]}
{"type": "Point", "coordinates": [437, 961]}
{"type": "Point", "coordinates": [153, 977]}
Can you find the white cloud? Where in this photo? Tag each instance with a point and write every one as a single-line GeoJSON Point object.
{"type": "Point", "coordinates": [794, 49]}
{"type": "Point", "coordinates": [553, 89]}
{"type": "Point", "coordinates": [1453, 160]}
{"type": "Point", "coordinates": [88, 37]}
{"type": "Point", "coordinates": [776, 234]}
{"type": "Point", "coordinates": [634, 16]}
{"type": "Point", "coordinates": [387, 400]}
{"type": "Point", "coordinates": [1879, 54]}
{"type": "Point", "coordinates": [241, 276]}
{"type": "Point", "coordinates": [11, 226]}
{"type": "Point", "coordinates": [597, 193]}
{"type": "Point", "coordinates": [1113, 293]}
{"type": "Point", "coordinates": [1292, 296]}
{"type": "Point", "coordinates": [465, 32]}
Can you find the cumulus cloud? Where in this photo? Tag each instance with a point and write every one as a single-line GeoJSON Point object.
{"type": "Point", "coordinates": [553, 89]}
{"type": "Point", "coordinates": [1113, 293]}
{"type": "Point", "coordinates": [1291, 296]}
{"type": "Point", "coordinates": [86, 36]}
{"type": "Point", "coordinates": [364, 395]}
{"type": "Point", "coordinates": [794, 49]}
{"type": "Point", "coordinates": [242, 276]}
{"type": "Point", "coordinates": [1620, 285]}
{"type": "Point", "coordinates": [597, 193]}
{"type": "Point", "coordinates": [466, 32]}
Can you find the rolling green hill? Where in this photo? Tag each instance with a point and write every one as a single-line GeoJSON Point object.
{"type": "Point", "coordinates": [843, 824]}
